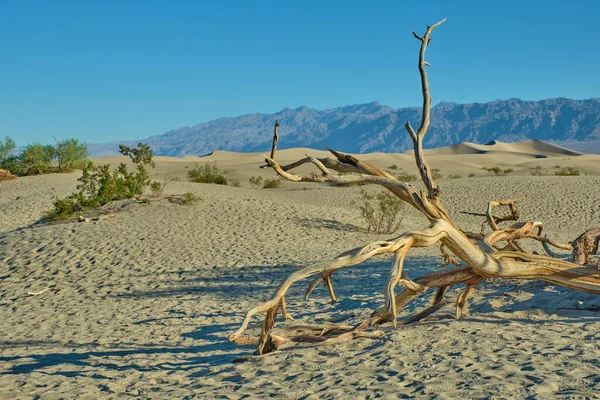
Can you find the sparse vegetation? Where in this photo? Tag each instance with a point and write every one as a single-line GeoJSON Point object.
{"type": "Point", "coordinates": [406, 177]}
{"type": "Point", "coordinates": [210, 173]}
{"type": "Point", "coordinates": [567, 171]}
{"type": "Point", "coordinates": [472, 174]}
{"type": "Point", "coordinates": [157, 188]}
{"type": "Point", "coordinates": [99, 185]}
{"type": "Point", "coordinates": [508, 170]}
{"type": "Point", "coordinates": [6, 147]}
{"type": "Point", "coordinates": [256, 181]}
{"type": "Point", "coordinates": [272, 183]}
{"type": "Point", "coordinates": [383, 212]}
{"type": "Point", "coordinates": [71, 155]}
{"type": "Point", "coordinates": [190, 198]}
{"type": "Point", "coordinates": [260, 182]}
{"type": "Point", "coordinates": [537, 171]}
{"type": "Point", "coordinates": [393, 167]}
{"type": "Point", "coordinates": [495, 170]}
{"type": "Point", "coordinates": [37, 158]}
{"type": "Point", "coordinates": [436, 174]}
{"type": "Point", "coordinates": [185, 199]}
{"type": "Point", "coordinates": [454, 176]}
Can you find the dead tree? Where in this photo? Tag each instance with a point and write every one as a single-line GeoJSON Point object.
{"type": "Point", "coordinates": [496, 254]}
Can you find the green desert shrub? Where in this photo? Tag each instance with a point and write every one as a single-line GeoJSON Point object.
{"type": "Point", "coordinates": [37, 159]}
{"type": "Point", "coordinates": [185, 199]}
{"type": "Point", "coordinates": [436, 174]}
{"type": "Point", "coordinates": [393, 167]}
{"type": "Point", "coordinates": [208, 173]}
{"type": "Point", "coordinates": [383, 212]}
{"type": "Point", "coordinates": [537, 171]}
{"type": "Point", "coordinates": [472, 174]}
{"type": "Point", "coordinates": [71, 154]}
{"type": "Point", "coordinates": [157, 188]}
{"type": "Point", "coordinates": [406, 177]}
{"type": "Point", "coordinates": [190, 198]}
{"type": "Point", "coordinates": [495, 170]}
{"type": "Point", "coordinates": [508, 170]}
{"type": "Point", "coordinates": [99, 185]}
{"type": "Point", "coordinates": [272, 183]}
{"type": "Point", "coordinates": [14, 165]}
{"type": "Point", "coordinates": [454, 176]}
{"type": "Point", "coordinates": [256, 181]}
{"type": "Point", "coordinates": [567, 171]}
{"type": "Point", "coordinates": [64, 209]}
{"type": "Point", "coordinates": [6, 147]}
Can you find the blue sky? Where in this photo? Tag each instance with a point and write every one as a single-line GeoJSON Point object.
{"type": "Point", "coordinates": [111, 70]}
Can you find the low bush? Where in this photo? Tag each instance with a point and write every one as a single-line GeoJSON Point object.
{"type": "Point", "coordinates": [436, 174]}
{"type": "Point", "coordinates": [185, 199]}
{"type": "Point", "coordinates": [190, 198]}
{"type": "Point", "coordinates": [272, 183]}
{"type": "Point", "coordinates": [98, 185]}
{"type": "Point", "coordinates": [71, 155]}
{"type": "Point", "coordinates": [256, 181]}
{"type": "Point", "coordinates": [208, 173]}
{"type": "Point", "coordinates": [472, 174]}
{"type": "Point", "coordinates": [6, 147]}
{"type": "Point", "coordinates": [508, 170]}
{"type": "Point", "coordinates": [37, 158]}
{"type": "Point", "coordinates": [406, 177]}
{"type": "Point", "coordinates": [454, 176]}
{"type": "Point", "coordinates": [567, 171]}
{"type": "Point", "coordinates": [393, 167]}
{"type": "Point", "coordinates": [537, 171]}
{"type": "Point", "coordinates": [157, 188]}
{"type": "Point", "coordinates": [383, 212]}
{"type": "Point", "coordinates": [495, 170]}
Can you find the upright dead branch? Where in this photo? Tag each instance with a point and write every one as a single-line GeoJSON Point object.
{"type": "Point", "coordinates": [275, 139]}
{"type": "Point", "coordinates": [496, 254]}
{"type": "Point", "coordinates": [417, 137]}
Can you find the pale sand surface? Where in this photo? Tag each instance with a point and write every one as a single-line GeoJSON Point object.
{"type": "Point", "coordinates": [147, 299]}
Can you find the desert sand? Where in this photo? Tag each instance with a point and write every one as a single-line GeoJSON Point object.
{"type": "Point", "coordinates": [144, 301]}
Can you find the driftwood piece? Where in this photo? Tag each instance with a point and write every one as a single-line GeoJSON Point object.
{"type": "Point", "coordinates": [496, 254]}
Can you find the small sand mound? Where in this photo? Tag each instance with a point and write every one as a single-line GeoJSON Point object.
{"type": "Point", "coordinates": [5, 175]}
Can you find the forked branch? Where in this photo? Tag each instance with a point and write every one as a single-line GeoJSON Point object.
{"type": "Point", "coordinates": [484, 259]}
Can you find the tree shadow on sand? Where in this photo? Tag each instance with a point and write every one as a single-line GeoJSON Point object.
{"type": "Point", "coordinates": [321, 223]}
{"type": "Point", "coordinates": [231, 292]}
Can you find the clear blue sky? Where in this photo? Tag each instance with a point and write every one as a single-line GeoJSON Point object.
{"type": "Point", "coordinates": [111, 70]}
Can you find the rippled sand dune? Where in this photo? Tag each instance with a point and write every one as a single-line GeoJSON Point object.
{"type": "Point", "coordinates": [144, 302]}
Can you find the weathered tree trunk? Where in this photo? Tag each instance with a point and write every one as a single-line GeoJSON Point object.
{"type": "Point", "coordinates": [483, 259]}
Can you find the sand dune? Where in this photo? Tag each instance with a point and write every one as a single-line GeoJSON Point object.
{"type": "Point", "coordinates": [462, 159]}
{"type": "Point", "coordinates": [146, 300]}
{"type": "Point", "coordinates": [531, 148]}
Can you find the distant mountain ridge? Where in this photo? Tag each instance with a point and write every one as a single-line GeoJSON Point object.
{"type": "Point", "coordinates": [375, 127]}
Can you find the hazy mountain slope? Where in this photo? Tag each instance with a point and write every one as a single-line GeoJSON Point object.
{"type": "Point", "coordinates": [375, 127]}
{"type": "Point", "coordinates": [592, 147]}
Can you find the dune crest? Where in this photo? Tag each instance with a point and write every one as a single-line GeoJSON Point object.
{"type": "Point", "coordinates": [533, 148]}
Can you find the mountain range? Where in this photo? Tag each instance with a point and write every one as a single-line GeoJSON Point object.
{"type": "Point", "coordinates": [374, 127]}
